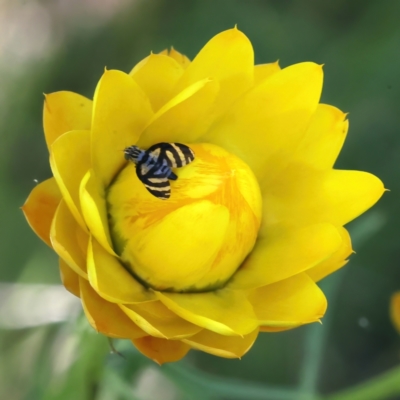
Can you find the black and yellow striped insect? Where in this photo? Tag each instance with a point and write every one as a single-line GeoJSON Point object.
{"type": "Point", "coordinates": [154, 165]}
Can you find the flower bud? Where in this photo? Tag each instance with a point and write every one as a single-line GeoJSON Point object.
{"type": "Point", "coordinates": [197, 239]}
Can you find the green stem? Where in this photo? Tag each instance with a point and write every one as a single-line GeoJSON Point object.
{"type": "Point", "coordinates": [381, 387]}
{"type": "Point", "coordinates": [315, 341]}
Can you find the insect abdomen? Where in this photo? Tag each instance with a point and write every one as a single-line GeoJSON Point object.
{"type": "Point", "coordinates": [153, 166]}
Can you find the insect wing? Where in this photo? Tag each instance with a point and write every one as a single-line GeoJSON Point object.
{"type": "Point", "coordinates": [155, 179]}
{"type": "Point", "coordinates": [176, 154]}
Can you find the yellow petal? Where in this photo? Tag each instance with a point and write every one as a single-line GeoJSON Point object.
{"type": "Point", "coordinates": [265, 126]}
{"type": "Point", "coordinates": [183, 119]}
{"type": "Point", "coordinates": [289, 303]}
{"type": "Point", "coordinates": [69, 240]}
{"type": "Point", "coordinates": [264, 71]}
{"type": "Point", "coordinates": [336, 261]}
{"type": "Point", "coordinates": [303, 195]}
{"type": "Point", "coordinates": [178, 243]}
{"type": "Point", "coordinates": [120, 112]}
{"type": "Point", "coordinates": [161, 350]}
{"type": "Point", "coordinates": [70, 160]}
{"type": "Point", "coordinates": [180, 58]}
{"type": "Point", "coordinates": [40, 207]}
{"type": "Point", "coordinates": [63, 112]}
{"type": "Point", "coordinates": [69, 278]}
{"type": "Point", "coordinates": [222, 346]}
{"type": "Point", "coordinates": [94, 209]}
{"type": "Point", "coordinates": [107, 318]}
{"type": "Point", "coordinates": [324, 138]}
{"type": "Point", "coordinates": [350, 194]}
{"type": "Point", "coordinates": [224, 311]}
{"type": "Point", "coordinates": [286, 252]}
{"type": "Point", "coordinates": [157, 75]}
{"type": "Point", "coordinates": [111, 280]}
{"type": "Point", "coordinates": [157, 320]}
{"type": "Point", "coordinates": [395, 310]}
{"type": "Point", "coordinates": [228, 57]}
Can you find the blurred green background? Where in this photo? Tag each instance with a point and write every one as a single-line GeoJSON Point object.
{"type": "Point", "coordinates": [47, 350]}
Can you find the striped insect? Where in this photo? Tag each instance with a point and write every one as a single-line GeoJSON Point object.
{"type": "Point", "coordinates": [154, 165]}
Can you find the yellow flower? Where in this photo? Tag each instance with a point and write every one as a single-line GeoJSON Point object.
{"type": "Point", "coordinates": [395, 310]}
{"type": "Point", "coordinates": [252, 223]}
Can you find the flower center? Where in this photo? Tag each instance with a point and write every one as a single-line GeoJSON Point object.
{"type": "Point", "coordinates": [195, 240]}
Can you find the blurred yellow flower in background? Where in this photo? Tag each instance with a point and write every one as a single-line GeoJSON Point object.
{"type": "Point", "coordinates": [395, 310]}
{"type": "Point", "coordinates": [251, 225]}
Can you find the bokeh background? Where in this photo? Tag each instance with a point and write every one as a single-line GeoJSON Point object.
{"type": "Point", "coordinates": [47, 350]}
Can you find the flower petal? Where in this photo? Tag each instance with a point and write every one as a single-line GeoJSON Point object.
{"type": "Point", "coordinates": [324, 138]}
{"type": "Point", "coordinates": [350, 194]}
{"type": "Point", "coordinates": [63, 112]}
{"type": "Point", "coordinates": [265, 126]}
{"type": "Point", "coordinates": [161, 350]}
{"type": "Point", "coordinates": [289, 303]}
{"type": "Point", "coordinates": [40, 207]}
{"type": "Point", "coordinates": [286, 252]}
{"type": "Point", "coordinates": [94, 210]}
{"type": "Point", "coordinates": [120, 112]}
{"type": "Point", "coordinates": [264, 71]}
{"type": "Point", "coordinates": [228, 58]}
{"type": "Point", "coordinates": [303, 195]}
{"type": "Point", "coordinates": [69, 278]}
{"type": "Point", "coordinates": [222, 346]}
{"type": "Point", "coordinates": [224, 311]}
{"type": "Point", "coordinates": [111, 280]}
{"type": "Point", "coordinates": [183, 119]}
{"type": "Point", "coordinates": [395, 310]}
{"type": "Point", "coordinates": [157, 320]}
{"type": "Point", "coordinates": [336, 261]}
{"type": "Point", "coordinates": [180, 58]}
{"type": "Point", "coordinates": [69, 240]}
{"type": "Point", "coordinates": [106, 318]}
{"type": "Point", "coordinates": [71, 149]}
{"type": "Point", "coordinates": [157, 75]}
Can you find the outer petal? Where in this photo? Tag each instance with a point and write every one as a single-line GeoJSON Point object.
{"type": "Point", "coordinates": [225, 312]}
{"type": "Point", "coordinates": [289, 303]}
{"type": "Point", "coordinates": [161, 350]}
{"type": "Point", "coordinates": [184, 118]}
{"type": "Point", "coordinates": [157, 320]}
{"type": "Point", "coordinates": [69, 278]}
{"type": "Point", "coordinates": [69, 240]}
{"type": "Point", "coordinates": [265, 126]}
{"type": "Point", "coordinates": [120, 112]}
{"type": "Point", "coordinates": [105, 317]}
{"type": "Point", "coordinates": [395, 310]}
{"type": "Point", "coordinates": [40, 207]}
{"type": "Point", "coordinates": [324, 138]}
{"type": "Point", "coordinates": [111, 280]}
{"type": "Point", "coordinates": [71, 149]}
{"type": "Point", "coordinates": [63, 112]}
{"type": "Point", "coordinates": [222, 346]}
{"type": "Point", "coordinates": [286, 252]}
{"type": "Point", "coordinates": [157, 75]}
{"type": "Point", "coordinates": [228, 57]}
{"type": "Point", "coordinates": [264, 71]}
{"type": "Point", "coordinates": [306, 195]}
{"type": "Point", "coordinates": [94, 210]}
{"type": "Point", "coordinates": [336, 261]}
